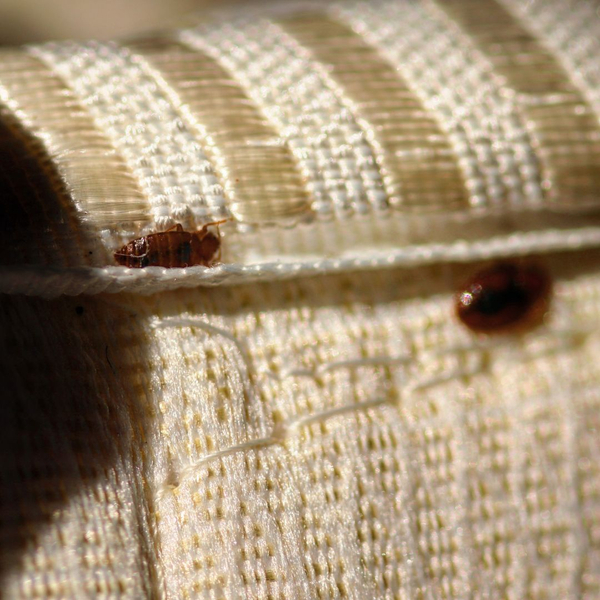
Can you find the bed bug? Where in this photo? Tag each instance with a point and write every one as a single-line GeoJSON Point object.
{"type": "Point", "coordinates": [172, 248]}
{"type": "Point", "coordinates": [504, 297]}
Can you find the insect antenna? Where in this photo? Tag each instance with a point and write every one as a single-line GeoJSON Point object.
{"type": "Point", "coordinates": [216, 223]}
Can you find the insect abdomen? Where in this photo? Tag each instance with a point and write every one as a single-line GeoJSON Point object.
{"type": "Point", "coordinates": [170, 249]}
{"type": "Point", "coordinates": [134, 254]}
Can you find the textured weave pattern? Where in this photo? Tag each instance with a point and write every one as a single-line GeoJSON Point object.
{"type": "Point", "coordinates": [267, 183]}
{"type": "Point", "coordinates": [446, 67]}
{"type": "Point", "coordinates": [413, 151]}
{"type": "Point", "coordinates": [336, 437]}
{"type": "Point", "coordinates": [245, 431]}
{"type": "Point", "coordinates": [351, 440]}
{"type": "Point", "coordinates": [400, 123]}
{"type": "Point", "coordinates": [145, 125]}
{"type": "Point", "coordinates": [330, 144]}
{"type": "Point", "coordinates": [550, 103]}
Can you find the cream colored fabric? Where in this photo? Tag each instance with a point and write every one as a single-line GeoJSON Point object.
{"type": "Point", "coordinates": [516, 141]}
{"type": "Point", "coordinates": [341, 436]}
{"type": "Point", "coordinates": [307, 419]}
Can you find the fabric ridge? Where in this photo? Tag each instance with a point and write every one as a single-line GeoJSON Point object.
{"type": "Point", "coordinates": [459, 141]}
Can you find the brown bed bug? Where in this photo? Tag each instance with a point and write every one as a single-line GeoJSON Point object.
{"type": "Point", "coordinates": [172, 248]}
{"type": "Point", "coordinates": [505, 297]}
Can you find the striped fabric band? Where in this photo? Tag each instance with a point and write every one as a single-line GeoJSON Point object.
{"type": "Point", "coordinates": [309, 109]}
{"type": "Point", "coordinates": [345, 133]}
{"type": "Point", "coordinates": [445, 68]}
{"type": "Point", "coordinates": [413, 150]}
{"type": "Point", "coordinates": [81, 153]}
{"type": "Point", "coordinates": [259, 174]}
{"type": "Point", "coordinates": [570, 30]}
{"type": "Point", "coordinates": [564, 128]}
{"type": "Point", "coordinates": [141, 115]}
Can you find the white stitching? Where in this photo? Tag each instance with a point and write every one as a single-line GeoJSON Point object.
{"type": "Point", "coordinates": [53, 282]}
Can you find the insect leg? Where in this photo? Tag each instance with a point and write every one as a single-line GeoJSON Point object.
{"type": "Point", "coordinates": [176, 227]}
{"type": "Point", "coordinates": [130, 255]}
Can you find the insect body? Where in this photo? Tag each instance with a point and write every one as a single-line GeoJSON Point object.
{"type": "Point", "coordinates": [172, 248]}
{"type": "Point", "coordinates": [505, 297]}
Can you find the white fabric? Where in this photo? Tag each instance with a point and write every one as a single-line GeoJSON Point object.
{"type": "Point", "coordinates": [488, 133]}
{"type": "Point", "coordinates": [176, 162]}
{"type": "Point", "coordinates": [158, 140]}
{"type": "Point", "coordinates": [341, 436]}
{"type": "Point", "coordinates": [308, 108]}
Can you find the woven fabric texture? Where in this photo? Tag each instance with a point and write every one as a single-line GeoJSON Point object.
{"type": "Point", "coordinates": [332, 437]}
{"type": "Point", "coordinates": [308, 418]}
{"type": "Point", "coordinates": [377, 132]}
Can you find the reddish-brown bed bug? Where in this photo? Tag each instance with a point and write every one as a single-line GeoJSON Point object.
{"type": "Point", "coordinates": [505, 297]}
{"type": "Point", "coordinates": [172, 248]}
